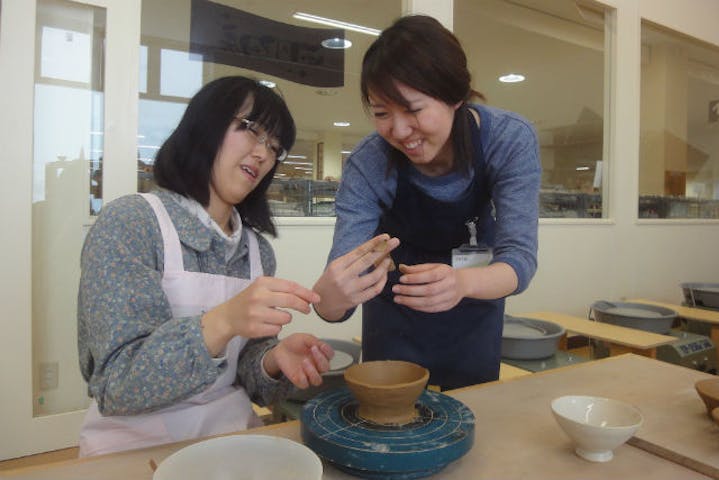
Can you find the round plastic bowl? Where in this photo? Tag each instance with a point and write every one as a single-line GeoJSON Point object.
{"type": "Point", "coordinates": [387, 390]}
{"type": "Point", "coordinates": [596, 425]}
{"type": "Point", "coordinates": [651, 318]}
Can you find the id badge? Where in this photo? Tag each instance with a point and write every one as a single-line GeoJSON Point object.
{"type": "Point", "coordinates": [471, 256]}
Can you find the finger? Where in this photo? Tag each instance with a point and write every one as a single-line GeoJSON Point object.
{"type": "Point", "coordinates": [289, 301]}
{"type": "Point", "coordinates": [418, 268]}
{"type": "Point", "coordinates": [430, 304]}
{"type": "Point", "coordinates": [370, 252]}
{"type": "Point", "coordinates": [299, 379]}
{"type": "Point", "coordinates": [370, 285]}
{"type": "Point", "coordinates": [351, 257]}
{"type": "Point", "coordinates": [321, 362]}
{"type": "Point", "coordinates": [385, 248]}
{"type": "Point", "coordinates": [275, 316]}
{"type": "Point", "coordinates": [420, 290]}
{"type": "Point", "coordinates": [287, 286]}
{"type": "Point", "coordinates": [257, 330]}
{"type": "Point", "coordinates": [425, 273]}
{"type": "Point", "coordinates": [310, 372]}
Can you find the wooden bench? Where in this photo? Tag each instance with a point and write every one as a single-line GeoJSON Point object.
{"type": "Point", "coordinates": [690, 313]}
{"type": "Point", "coordinates": [619, 339]}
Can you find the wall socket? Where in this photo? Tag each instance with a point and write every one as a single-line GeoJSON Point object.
{"type": "Point", "coordinates": [49, 375]}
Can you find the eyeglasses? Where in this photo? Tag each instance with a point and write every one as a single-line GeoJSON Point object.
{"type": "Point", "coordinates": [264, 138]}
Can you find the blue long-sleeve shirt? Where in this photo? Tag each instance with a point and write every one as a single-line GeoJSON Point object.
{"type": "Point", "coordinates": [513, 166]}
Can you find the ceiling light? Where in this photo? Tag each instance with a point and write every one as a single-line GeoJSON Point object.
{"type": "Point", "coordinates": [582, 169]}
{"type": "Point", "coordinates": [296, 156]}
{"type": "Point", "coordinates": [267, 83]}
{"type": "Point", "coordinates": [511, 78]}
{"type": "Point", "coordinates": [342, 124]}
{"type": "Point", "coordinates": [336, 43]}
{"type": "Point", "coordinates": [336, 23]}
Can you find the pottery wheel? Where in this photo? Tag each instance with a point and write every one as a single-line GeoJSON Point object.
{"type": "Point", "coordinates": [442, 432]}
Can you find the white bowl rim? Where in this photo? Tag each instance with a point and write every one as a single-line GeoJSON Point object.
{"type": "Point", "coordinates": [623, 404]}
{"type": "Point", "coordinates": [239, 438]}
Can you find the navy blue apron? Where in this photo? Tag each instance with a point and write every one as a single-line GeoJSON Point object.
{"type": "Point", "coordinates": [461, 346]}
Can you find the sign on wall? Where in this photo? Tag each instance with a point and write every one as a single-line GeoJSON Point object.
{"type": "Point", "coordinates": [226, 35]}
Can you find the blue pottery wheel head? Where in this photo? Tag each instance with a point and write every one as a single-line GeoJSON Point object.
{"type": "Point", "coordinates": [442, 432]}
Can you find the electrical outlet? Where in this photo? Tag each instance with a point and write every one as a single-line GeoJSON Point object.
{"type": "Point", "coordinates": [49, 375]}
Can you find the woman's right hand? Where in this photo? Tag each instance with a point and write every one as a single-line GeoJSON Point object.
{"type": "Point", "coordinates": [260, 310]}
{"type": "Point", "coordinates": [349, 281]}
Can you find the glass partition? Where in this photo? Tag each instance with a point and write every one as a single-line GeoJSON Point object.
{"type": "Point", "coordinates": [205, 40]}
{"type": "Point", "coordinates": [544, 59]}
{"type": "Point", "coordinates": [679, 148]}
{"type": "Point", "coordinates": [67, 171]}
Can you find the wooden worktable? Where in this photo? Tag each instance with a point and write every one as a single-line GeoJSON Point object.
{"type": "Point", "coordinates": [516, 434]}
{"type": "Point", "coordinates": [620, 339]}
{"type": "Point", "coordinates": [690, 313]}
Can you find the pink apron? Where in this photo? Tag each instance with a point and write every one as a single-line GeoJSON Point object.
{"type": "Point", "coordinates": [222, 407]}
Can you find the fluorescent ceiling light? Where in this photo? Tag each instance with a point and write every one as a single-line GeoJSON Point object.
{"type": "Point", "coordinates": [511, 78]}
{"type": "Point", "coordinates": [267, 83]}
{"type": "Point", "coordinates": [342, 124]}
{"type": "Point", "coordinates": [291, 155]}
{"type": "Point", "coordinates": [336, 23]}
{"type": "Point", "coordinates": [582, 169]}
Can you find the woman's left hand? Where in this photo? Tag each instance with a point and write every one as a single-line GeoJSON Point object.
{"type": "Point", "coordinates": [301, 357]}
{"type": "Point", "coordinates": [430, 287]}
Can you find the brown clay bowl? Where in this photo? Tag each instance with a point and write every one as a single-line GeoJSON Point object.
{"type": "Point", "coordinates": [387, 390]}
{"type": "Point", "coordinates": [708, 390]}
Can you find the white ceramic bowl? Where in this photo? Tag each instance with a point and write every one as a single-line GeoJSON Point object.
{"type": "Point", "coordinates": [242, 457]}
{"type": "Point", "coordinates": [596, 425]}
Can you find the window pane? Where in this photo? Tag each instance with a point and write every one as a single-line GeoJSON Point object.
{"type": "Point", "coordinates": [679, 149]}
{"type": "Point", "coordinates": [263, 40]}
{"type": "Point", "coordinates": [67, 171]}
{"type": "Point", "coordinates": [559, 50]}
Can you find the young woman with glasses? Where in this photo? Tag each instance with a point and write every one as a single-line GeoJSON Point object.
{"type": "Point", "coordinates": [178, 311]}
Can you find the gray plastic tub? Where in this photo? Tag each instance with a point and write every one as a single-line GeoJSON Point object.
{"type": "Point", "coordinates": [701, 294]}
{"type": "Point", "coordinates": [650, 318]}
{"type": "Point", "coordinates": [529, 339]}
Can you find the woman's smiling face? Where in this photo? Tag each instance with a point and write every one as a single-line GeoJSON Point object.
{"type": "Point", "coordinates": [421, 131]}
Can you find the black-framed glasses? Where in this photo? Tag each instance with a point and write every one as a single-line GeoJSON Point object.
{"type": "Point", "coordinates": [272, 144]}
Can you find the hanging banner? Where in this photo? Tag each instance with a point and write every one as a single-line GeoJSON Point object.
{"type": "Point", "coordinates": [226, 35]}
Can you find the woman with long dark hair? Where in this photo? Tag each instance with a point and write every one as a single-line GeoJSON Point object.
{"type": "Point", "coordinates": [178, 311]}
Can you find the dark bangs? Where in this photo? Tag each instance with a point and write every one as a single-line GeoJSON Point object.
{"type": "Point", "coordinates": [184, 162]}
{"type": "Point", "coordinates": [270, 111]}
